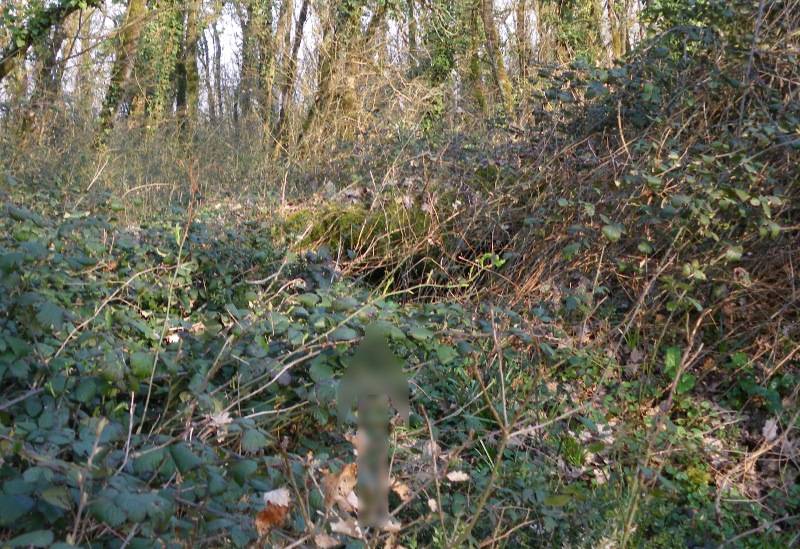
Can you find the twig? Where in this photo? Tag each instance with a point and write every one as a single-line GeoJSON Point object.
{"type": "Point", "coordinates": [20, 398]}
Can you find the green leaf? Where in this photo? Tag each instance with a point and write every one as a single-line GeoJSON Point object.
{"type": "Point", "coordinates": [645, 247]}
{"type": "Point", "coordinates": [345, 304]}
{"type": "Point", "coordinates": [253, 441]}
{"type": "Point", "coordinates": [105, 510]}
{"type": "Point", "coordinates": [320, 370]}
{"type": "Point", "coordinates": [37, 538]}
{"type": "Point", "coordinates": [613, 231]}
{"type": "Point", "coordinates": [686, 383]}
{"type": "Point", "coordinates": [571, 250]}
{"type": "Point", "coordinates": [86, 390]}
{"type": "Point", "coordinates": [58, 496]}
{"type": "Point", "coordinates": [343, 333]}
{"type": "Point", "coordinates": [420, 333]}
{"type": "Point", "coordinates": [672, 359]}
{"type": "Point", "coordinates": [50, 315]}
{"type": "Point", "coordinates": [445, 354]}
{"type": "Point", "coordinates": [388, 329]}
{"type": "Point", "coordinates": [185, 459]}
{"type": "Point", "coordinates": [149, 462]}
{"type": "Point", "coordinates": [308, 299]}
{"type": "Point", "coordinates": [557, 500]}
{"type": "Point", "coordinates": [13, 507]}
{"type": "Point", "coordinates": [243, 469]}
{"type": "Point", "coordinates": [141, 364]}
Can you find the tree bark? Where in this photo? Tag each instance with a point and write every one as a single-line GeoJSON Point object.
{"type": "Point", "coordinates": [411, 16]}
{"type": "Point", "coordinates": [502, 83]}
{"type": "Point", "coordinates": [618, 28]}
{"type": "Point", "coordinates": [290, 72]}
{"type": "Point", "coordinates": [123, 61]}
{"type": "Point", "coordinates": [256, 55]}
{"type": "Point", "coordinates": [280, 47]}
{"type": "Point", "coordinates": [340, 27]}
{"type": "Point", "coordinates": [523, 38]}
{"type": "Point", "coordinates": [218, 70]}
{"type": "Point", "coordinates": [188, 77]}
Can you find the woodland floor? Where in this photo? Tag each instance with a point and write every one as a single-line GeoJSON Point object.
{"type": "Point", "coordinates": [159, 376]}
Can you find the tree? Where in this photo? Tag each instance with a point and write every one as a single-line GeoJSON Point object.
{"type": "Point", "coordinates": [499, 74]}
{"type": "Point", "coordinates": [35, 29]}
{"type": "Point", "coordinates": [188, 85]}
{"type": "Point", "coordinates": [124, 59]}
{"type": "Point", "coordinates": [290, 73]}
{"type": "Point", "coordinates": [523, 37]}
{"type": "Point", "coordinates": [339, 27]}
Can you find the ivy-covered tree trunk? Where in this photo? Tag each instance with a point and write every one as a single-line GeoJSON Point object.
{"type": "Point", "coordinates": [617, 21]}
{"type": "Point", "coordinates": [256, 55]}
{"type": "Point", "coordinates": [499, 74]}
{"type": "Point", "coordinates": [523, 37]}
{"type": "Point", "coordinates": [188, 77]}
{"type": "Point", "coordinates": [341, 25]}
{"type": "Point", "coordinates": [411, 17]}
{"type": "Point", "coordinates": [124, 60]}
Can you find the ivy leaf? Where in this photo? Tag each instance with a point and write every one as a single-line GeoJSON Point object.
{"type": "Point", "coordinates": [686, 383]}
{"type": "Point", "coordinates": [86, 390]}
{"type": "Point", "coordinates": [149, 461]}
{"type": "Point", "coordinates": [308, 299]}
{"type": "Point", "coordinates": [734, 253]}
{"type": "Point", "coordinates": [320, 370]}
{"type": "Point", "coordinates": [141, 364]}
{"type": "Point", "coordinates": [445, 353]}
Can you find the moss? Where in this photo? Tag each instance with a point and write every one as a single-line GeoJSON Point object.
{"type": "Point", "coordinates": [384, 231]}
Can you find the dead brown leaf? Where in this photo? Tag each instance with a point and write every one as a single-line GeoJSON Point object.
{"type": "Point", "coordinates": [338, 486]}
{"type": "Point", "coordinates": [276, 509]}
{"type": "Point", "coordinates": [348, 527]}
{"type": "Point", "coordinates": [324, 541]}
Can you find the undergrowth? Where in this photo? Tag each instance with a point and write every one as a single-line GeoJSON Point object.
{"type": "Point", "coordinates": [597, 312]}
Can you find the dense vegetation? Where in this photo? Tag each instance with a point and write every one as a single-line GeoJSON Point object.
{"type": "Point", "coordinates": [575, 221]}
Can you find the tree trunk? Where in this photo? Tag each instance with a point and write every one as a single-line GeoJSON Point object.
{"type": "Point", "coordinates": [618, 27]}
{"type": "Point", "coordinates": [218, 70]}
{"type": "Point", "coordinates": [502, 83]}
{"type": "Point", "coordinates": [256, 55]}
{"type": "Point", "coordinates": [123, 61]}
{"type": "Point", "coordinates": [523, 39]}
{"type": "Point", "coordinates": [412, 36]}
{"type": "Point", "coordinates": [474, 77]}
{"type": "Point", "coordinates": [280, 48]}
{"type": "Point", "coordinates": [48, 82]}
{"type": "Point", "coordinates": [290, 72]}
{"type": "Point", "coordinates": [188, 77]}
{"type": "Point", "coordinates": [340, 27]}
{"type": "Point", "coordinates": [203, 49]}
